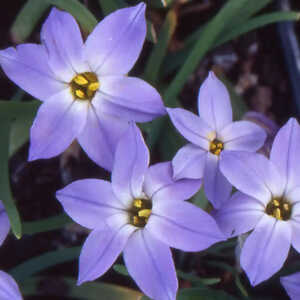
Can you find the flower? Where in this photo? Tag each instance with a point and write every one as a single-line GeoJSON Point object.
{"type": "Point", "coordinates": [210, 134]}
{"type": "Point", "coordinates": [8, 288]}
{"type": "Point", "coordinates": [84, 88]}
{"type": "Point", "coordinates": [268, 202]}
{"type": "Point", "coordinates": [141, 212]}
{"type": "Point", "coordinates": [291, 284]}
{"type": "Point", "coordinates": [4, 224]}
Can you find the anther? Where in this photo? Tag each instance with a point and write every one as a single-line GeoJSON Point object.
{"type": "Point", "coordinates": [79, 79]}
{"type": "Point", "coordinates": [80, 94]}
{"type": "Point", "coordinates": [216, 147]}
{"type": "Point", "coordinates": [144, 213]}
{"type": "Point", "coordinates": [94, 86]}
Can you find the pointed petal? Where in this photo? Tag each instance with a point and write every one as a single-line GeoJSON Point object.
{"type": "Point", "coordinates": [159, 184]}
{"type": "Point", "coordinates": [62, 38]}
{"type": "Point", "coordinates": [100, 250]}
{"type": "Point", "coordinates": [4, 223]}
{"type": "Point", "coordinates": [285, 152]}
{"type": "Point", "coordinates": [295, 222]}
{"type": "Point", "coordinates": [182, 225]}
{"type": "Point", "coordinates": [129, 98]}
{"type": "Point", "coordinates": [214, 103]}
{"type": "Point", "coordinates": [291, 284]}
{"type": "Point", "coordinates": [130, 166]}
{"type": "Point", "coordinates": [191, 127]}
{"type": "Point", "coordinates": [266, 249]}
{"type": "Point", "coordinates": [116, 42]}
{"type": "Point", "coordinates": [27, 67]}
{"type": "Point", "coordinates": [89, 201]}
{"type": "Point", "coordinates": [217, 188]}
{"type": "Point", "coordinates": [239, 214]}
{"type": "Point", "coordinates": [154, 271]}
{"type": "Point", "coordinates": [243, 136]}
{"type": "Point", "coordinates": [100, 136]}
{"type": "Point", "coordinates": [189, 162]}
{"type": "Point", "coordinates": [58, 122]}
{"type": "Point", "coordinates": [8, 288]}
{"type": "Point", "coordinates": [252, 174]}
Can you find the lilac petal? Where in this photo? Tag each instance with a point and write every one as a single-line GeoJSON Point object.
{"type": "Point", "coordinates": [266, 249]}
{"type": "Point", "coordinates": [252, 174]}
{"type": "Point", "coordinates": [182, 225]}
{"type": "Point", "coordinates": [101, 249]}
{"type": "Point", "coordinates": [129, 98]}
{"type": "Point", "coordinates": [8, 288]}
{"type": "Point", "coordinates": [291, 284]}
{"type": "Point", "coordinates": [89, 201]}
{"type": "Point", "coordinates": [27, 67]}
{"type": "Point", "coordinates": [214, 103]}
{"type": "Point", "coordinates": [243, 136]}
{"type": "Point", "coordinates": [154, 270]}
{"type": "Point", "coordinates": [285, 152]}
{"type": "Point", "coordinates": [100, 136]}
{"type": "Point", "coordinates": [4, 224]}
{"type": "Point", "coordinates": [189, 162]}
{"type": "Point", "coordinates": [159, 184]}
{"type": "Point", "coordinates": [59, 120]}
{"type": "Point", "coordinates": [131, 163]}
{"type": "Point", "coordinates": [62, 38]}
{"type": "Point", "coordinates": [191, 127]}
{"type": "Point", "coordinates": [239, 214]}
{"type": "Point", "coordinates": [116, 42]}
{"type": "Point", "coordinates": [216, 186]}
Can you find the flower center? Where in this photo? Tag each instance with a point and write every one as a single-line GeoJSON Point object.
{"type": "Point", "coordinates": [216, 147]}
{"type": "Point", "coordinates": [84, 86]}
{"type": "Point", "coordinates": [279, 208]}
{"type": "Point", "coordinates": [140, 212]}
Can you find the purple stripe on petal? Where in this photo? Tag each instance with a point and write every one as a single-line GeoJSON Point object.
{"type": "Point", "coordinates": [214, 103]}
{"type": "Point", "coordinates": [89, 201]}
{"type": "Point", "coordinates": [62, 38]}
{"type": "Point", "coordinates": [182, 225]}
{"type": "Point", "coordinates": [130, 99]}
{"type": "Point", "coordinates": [100, 250]}
{"type": "Point", "coordinates": [27, 66]}
{"type": "Point", "coordinates": [291, 284]}
{"type": "Point", "coordinates": [217, 188]}
{"type": "Point", "coordinates": [266, 249]}
{"type": "Point", "coordinates": [150, 264]}
{"type": "Point", "coordinates": [243, 136]}
{"type": "Point", "coordinates": [9, 289]}
{"type": "Point", "coordinates": [239, 214]}
{"type": "Point", "coordinates": [131, 163]}
{"type": "Point", "coordinates": [191, 127]}
{"type": "Point", "coordinates": [58, 122]}
{"type": "Point", "coordinates": [189, 162]}
{"type": "Point", "coordinates": [116, 42]}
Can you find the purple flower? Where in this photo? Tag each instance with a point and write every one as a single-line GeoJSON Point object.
{"type": "Point", "coordinates": [86, 93]}
{"type": "Point", "coordinates": [291, 284]}
{"type": "Point", "coordinates": [210, 134]}
{"type": "Point", "coordinates": [141, 212]}
{"type": "Point", "coordinates": [268, 203]}
{"type": "Point", "coordinates": [9, 289]}
{"type": "Point", "coordinates": [4, 224]}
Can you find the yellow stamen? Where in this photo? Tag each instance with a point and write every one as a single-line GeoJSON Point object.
{"type": "Point", "coordinates": [80, 80]}
{"type": "Point", "coordinates": [137, 203]}
{"type": "Point", "coordinates": [277, 214]}
{"type": "Point", "coordinates": [135, 220]}
{"type": "Point", "coordinates": [94, 86]}
{"type": "Point", "coordinates": [286, 207]}
{"type": "Point", "coordinates": [144, 213]}
{"type": "Point", "coordinates": [276, 202]}
{"type": "Point", "coordinates": [80, 94]}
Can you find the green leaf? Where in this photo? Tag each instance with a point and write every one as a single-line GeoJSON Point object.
{"type": "Point", "coordinates": [51, 223]}
{"type": "Point", "coordinates": [87, 291]}
{"type": "Point", "coordinates": [197, 280]}
{"type": "Point", "coordinates": [44, 261]}
{"type": "Point", "coordinates": [203, 293]}
{"type": "Point", "coordinates": [5, 192]}
{"type": "Point", "coordinates": [121, 269]}
{"type": "Point", "coordinates": [27, 19]}
{"type": "Point", "coordinates": [108, 7]}
{"type": "Point", "coordinates": [160, 48]}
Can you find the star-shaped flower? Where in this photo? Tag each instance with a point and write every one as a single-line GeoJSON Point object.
{"type": "Point", "coordinates": [9, 289]}
{"type": "Point", "coordinates": [83, 85]}
{"type": "Point", "coordinates": [268, 203]}
{"type": "Point", "coordinates": [210, 134]}
{"type": "Point", "coordinates": [141, 212]}
{"type": "Point", "coordinates": [291, 284]}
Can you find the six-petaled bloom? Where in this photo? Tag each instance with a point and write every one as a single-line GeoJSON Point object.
{"type": "Point", "coordinates": [291, 284]}
{"type": "Point", "coordinates": [210, 134]}
{"type": "Point", "coordinates": [141, 212]}
{"type": "Point", "coordinates": [268, 202]}
{"type": "Point", "coordinates": [9, 289]}
{"type": "Point", "coordinates": [84, 88]}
